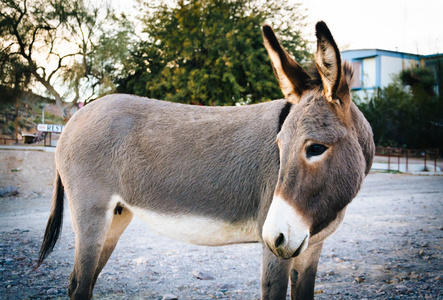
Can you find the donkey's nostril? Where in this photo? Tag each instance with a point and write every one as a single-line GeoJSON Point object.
{"type": "Point", "coordinates": [280, 240]}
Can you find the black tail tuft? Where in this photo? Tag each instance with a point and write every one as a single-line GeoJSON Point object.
{"type": "Point", "coordinates": [54, 225]}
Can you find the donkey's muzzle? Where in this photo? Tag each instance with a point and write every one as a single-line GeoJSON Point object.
{"type": "Point", "coordinates": [302, 247]}
{"type": "Point", "coordinates": [284, 231]}
{"type": "Point", "coordinates": [281, 247]}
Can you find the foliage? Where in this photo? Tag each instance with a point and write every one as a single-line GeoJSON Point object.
{"type": "Point", "coordinates": [211, 52]}
{"type": "Point", "coordinates": [61, 46]}
{"type": "Point", "coordinates": [407, 113]}
{"type": "Point", "coordinates": [29, 110]}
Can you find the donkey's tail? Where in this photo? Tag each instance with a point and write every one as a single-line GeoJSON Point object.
{"type": "Point", "coordinates": [54, 225]}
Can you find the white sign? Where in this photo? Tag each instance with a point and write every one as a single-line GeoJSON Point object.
{"type": "Point", "coordinates": [50, 128]}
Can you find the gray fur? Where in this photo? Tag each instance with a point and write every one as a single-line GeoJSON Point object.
{"type": "Point", "coordinates": [216, 155]}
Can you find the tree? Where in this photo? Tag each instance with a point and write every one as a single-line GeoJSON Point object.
{"type": "Point", "coordinates": [15, 75]}
{"type": "Point", "coordinates": [211, 52]}
{"type": "Point", "coordinates": [408, 112]}
{"type": "Point", "coordinates": [60, 43]}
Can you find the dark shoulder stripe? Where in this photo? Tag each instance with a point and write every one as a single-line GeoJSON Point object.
{"type": "Point", "coordinates": [284, 114]}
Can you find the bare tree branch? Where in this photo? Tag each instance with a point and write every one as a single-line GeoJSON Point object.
{"type": "Point", "coordinates": [36, 29]}
{"type": "Point", "coordinates": [64, 24]}
{"type": "Point", "coordinates": [60, 65]}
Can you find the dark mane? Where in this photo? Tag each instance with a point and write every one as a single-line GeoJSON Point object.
{"type": "Point", "coordinates": [315, 80]}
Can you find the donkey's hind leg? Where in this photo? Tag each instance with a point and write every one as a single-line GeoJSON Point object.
{"type": "Point", "coordinates": [96, 235]}
{"type": "Point", "coordinates": [120, 221]}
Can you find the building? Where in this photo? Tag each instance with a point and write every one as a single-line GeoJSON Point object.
{"type": "Point", "coordinates": [376, 68]}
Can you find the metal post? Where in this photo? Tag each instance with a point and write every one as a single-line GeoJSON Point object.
{"type": "Point", "coordinates": [398, 161]}
{"type": "Point", "coordinates": [407, 151]}
{"type": "Point", "coordinates": [389, 158]}
{"type": "Point", "coordinates": [425, 158]}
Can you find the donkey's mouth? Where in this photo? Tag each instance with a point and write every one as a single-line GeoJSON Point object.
{"type": "Point", "coordinates": [284, 251]}
{"type": "Point", "coordinates": [301, 248]}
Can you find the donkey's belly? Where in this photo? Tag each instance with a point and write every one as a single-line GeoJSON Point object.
{"type": "Point", "coordinates": [193, 229]}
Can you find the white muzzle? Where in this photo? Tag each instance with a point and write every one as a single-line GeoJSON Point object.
{"type": "Point", "coordinates": [284, 232]}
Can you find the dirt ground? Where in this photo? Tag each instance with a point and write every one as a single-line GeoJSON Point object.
{"type": "Point", "coordinates": [389, 246]}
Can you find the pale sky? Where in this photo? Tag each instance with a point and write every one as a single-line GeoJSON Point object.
{"type": "Point", "coordinates": [398, 25]}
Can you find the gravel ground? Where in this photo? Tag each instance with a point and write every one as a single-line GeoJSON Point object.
{"type": "Point", "coordinates": [389, 247]}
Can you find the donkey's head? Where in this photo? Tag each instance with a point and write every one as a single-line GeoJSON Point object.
{"type": "Point", "coordinates": [325, 143]}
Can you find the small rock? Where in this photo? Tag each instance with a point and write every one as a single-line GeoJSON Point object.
{"type": "Point", "coordinates": [52, 291]}
{"type": "Point", "coordinates": [20, 258]}
{"type": "Point", "coordinates": [360, 279]}
{"type": "Point", "coordinates": [394, 280]}
{"type": "Point", "coordinates": [226, 286]}
{"type": "Point", "coordinates": [9, 191]}
{"type": "Point", "coordinates": [330, 273]}
{"type": "Point", "coordinates": [421, 253]}
{"type": "Point", "coordinates": [170, 297]}
{"type": "Point", "coordinates": [401, 288]}
{"type": "Point", "coordinates": [439, 278]}
{"type": "Point", "coordinates": [336, 259]}
{"type": "Point", "coordinates": [385, 288]}
{"type": "Point", "coordinates": [202, 276]}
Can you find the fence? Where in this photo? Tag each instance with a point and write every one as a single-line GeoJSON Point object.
{"type": "Point", "coordinates": [9, 141]}
{"type": "Point", "coordinates": [425, 154]}
{"type": "Point", "coordinates": [49, 139]}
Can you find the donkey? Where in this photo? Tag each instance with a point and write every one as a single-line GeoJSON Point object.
{"type": "Point", "coordinates": [279, 173]}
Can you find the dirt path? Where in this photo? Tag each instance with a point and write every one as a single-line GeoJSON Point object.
{"type": "Point", "coordinates": [389, 246]}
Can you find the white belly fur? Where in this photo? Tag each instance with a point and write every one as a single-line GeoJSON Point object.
{"type": "Point", "coordinates": [194, 229]}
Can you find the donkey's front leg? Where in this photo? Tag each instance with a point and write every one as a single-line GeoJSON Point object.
{"type": "Point", "coordinates": [275, 276]}
{"type": "Point", "coordinates": [304, 269]}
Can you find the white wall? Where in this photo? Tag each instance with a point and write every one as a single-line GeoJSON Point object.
{"type": "Point", "coordinates": [391, 66]}
{"type": "Point", "coordinates": [369, 72]}
{"type": "Point", "coordinates": [359, 96]}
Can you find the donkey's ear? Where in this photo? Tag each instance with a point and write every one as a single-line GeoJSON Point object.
{"type": "Point", "coordinates": [290, 75]}
{"type": "Point", "coordinates": [327, 59]}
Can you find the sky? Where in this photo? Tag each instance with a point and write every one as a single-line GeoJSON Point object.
{"type": "Point", "coordinates": [398, 25]}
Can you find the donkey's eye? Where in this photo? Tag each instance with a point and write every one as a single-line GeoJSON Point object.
{"type": "Point", "coordinates": [315, 150]}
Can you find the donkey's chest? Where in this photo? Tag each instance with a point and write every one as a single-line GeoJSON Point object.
{"type": "Point", "coordinates": [198, 230]}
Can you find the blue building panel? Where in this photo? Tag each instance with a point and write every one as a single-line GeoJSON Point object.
{"type": "Point", "coordinates": [387, 64]}
{"type": "Point", "coordinates": [357, 58]}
